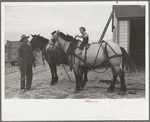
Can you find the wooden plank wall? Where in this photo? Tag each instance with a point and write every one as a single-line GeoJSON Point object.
{"type": "Point", "coordinates": [12, 47]}
{"type": "Point", "coordinates": [8, 50]}
{"type": "Point", "coordinates": [123, 34]}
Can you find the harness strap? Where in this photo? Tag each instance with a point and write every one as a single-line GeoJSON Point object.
{"type": "Point", "coordinates": [85, 57]}
{"type": "Point", "coordinates": [111, 48]}
{"type": "Point", "coordinates": [97, 53]}
{"type": "Point", "coordinates": [86, 63]}
{"type": "Point", "coordinates": [105, 52]}
{"type": "Point", "coordinates": [114, 56]}
{"type": "Point", "coordinates": [81, 59]}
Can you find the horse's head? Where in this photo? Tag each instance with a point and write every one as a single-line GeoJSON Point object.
{"type": "Point", "coordinates": [60, 39]}
{"type": "Point", "coordinates": [55, 36]}
{"type": "Point", "coordinates": [34, 41]}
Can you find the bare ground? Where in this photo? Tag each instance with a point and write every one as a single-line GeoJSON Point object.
{"type": "Point", "coordinates": [95, 88]}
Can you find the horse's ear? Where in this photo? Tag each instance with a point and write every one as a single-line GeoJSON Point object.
{"type": "Point", "coordinates": [58, 32]}
{"type": "Point", "coordinates": [32, 35]}
{"type": "Point", "coordinates": [38, 34]}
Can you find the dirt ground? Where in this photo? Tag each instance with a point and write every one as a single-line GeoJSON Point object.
{"type": "Point", "coordinates": [95, 88]}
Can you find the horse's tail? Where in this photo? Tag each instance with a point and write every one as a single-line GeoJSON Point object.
{"type": "Point", "coordinates": [127, 62]}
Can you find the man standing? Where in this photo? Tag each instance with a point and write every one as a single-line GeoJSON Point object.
{"type": "Point", "coordinates": [25, 62]}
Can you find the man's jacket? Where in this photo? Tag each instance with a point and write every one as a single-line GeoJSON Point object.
{"type": "Point", "coordinates": [25, 56]}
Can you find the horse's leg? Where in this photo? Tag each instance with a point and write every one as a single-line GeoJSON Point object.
{"type": "Point", "coordinates": [85, 76]}
{"type": "Point", "coordinates": [84, 79]}
{"type": "Point", "coordinates": [112, 86]}
{"type": "Point", "coordinates": [79, 82]}
{"type": "Point", "coordinates": [52, 74]}
{"type": "Point", "coordinates": [120, 72]}
{"type": "Point", "coordinates": [123, 87]}
{"type": "Point", "coordinates": [53, 70]}
{"type": "Point", "coordinates": [55, 73]}
{"type": "Point", "coordinates": [49, 61]}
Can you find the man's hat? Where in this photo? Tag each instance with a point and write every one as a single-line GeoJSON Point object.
{"type": "Point", "coordinates": [23, 37]}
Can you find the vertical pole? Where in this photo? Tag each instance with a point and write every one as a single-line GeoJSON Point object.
{"type": "Point", "coordinates": [107, 24]}
{"type": "Point", "coordinates": [9, 50]}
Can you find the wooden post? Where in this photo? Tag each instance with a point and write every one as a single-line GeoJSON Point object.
{"type": "Point", "coordinates": [8, 50]}
{"type": "Point", "coordinates": [107, 24]}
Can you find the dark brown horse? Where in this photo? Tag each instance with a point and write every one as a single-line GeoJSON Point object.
{"type": "Point", "coordinates": [47, 54]}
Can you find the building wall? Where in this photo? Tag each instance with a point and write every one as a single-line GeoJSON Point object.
{"type": "Point", "coordinates": [129, 11]}
{"type": "Point", "coordinates": [121, 22]}
{"type": "Point", "coordinates": [12, 47]}
{"type": "Point", "coordinates": [123, 33]}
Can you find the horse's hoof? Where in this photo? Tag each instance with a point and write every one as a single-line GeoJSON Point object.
{"type": "Point", "coordinates": [55, 82]}
{"type": "Point", "coordinates": [121, 93]}
{"type": "Point", "coordinates": [110, 91]}
{"type": "Point", "coordinates": [75, 91]}
{"type": "Point", "coordinates": [52, 84]}
{"type": "Point", "coordinates": [81, 89]}
{"type": "Point", "coordinates": [86, 80]}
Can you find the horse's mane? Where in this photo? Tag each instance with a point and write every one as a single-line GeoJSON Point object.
{"type": "Point", "coordinates": [43, 39]}
{"type": "Point", "coordinates": [73, 44]}
{"type": "Point", "coordinates": [67, 37]}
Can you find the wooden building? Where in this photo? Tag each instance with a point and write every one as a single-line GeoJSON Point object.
{"type": "Point", "coordinates": [128, 27]}
{"type": "Point", "coordinates": [11, 51]}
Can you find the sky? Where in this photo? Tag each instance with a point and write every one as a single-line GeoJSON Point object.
{"type": "Point", "coordinates": [45, 18]}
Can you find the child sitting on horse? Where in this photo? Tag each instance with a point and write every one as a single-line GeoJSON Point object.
{"type": "Point", "coordinates": [85, 37]}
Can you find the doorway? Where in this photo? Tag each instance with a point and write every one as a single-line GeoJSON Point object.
{"type": "Point", "coordinates": [137, 41]}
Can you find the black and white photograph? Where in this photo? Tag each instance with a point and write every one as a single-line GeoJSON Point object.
{"type": "Point", "coordinates": [75, 60]}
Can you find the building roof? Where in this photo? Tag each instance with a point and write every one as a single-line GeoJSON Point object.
{"type": "Point", "coordinates": [126, 11]}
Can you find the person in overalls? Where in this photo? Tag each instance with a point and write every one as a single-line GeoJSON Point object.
{"type": "Point", "coordinates": [25, 61]}
{"type": "Point", "coordinates": [85, 37]}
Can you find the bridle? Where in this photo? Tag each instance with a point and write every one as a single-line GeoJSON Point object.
{"type": "Point", "coordinates": [32, 44]}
